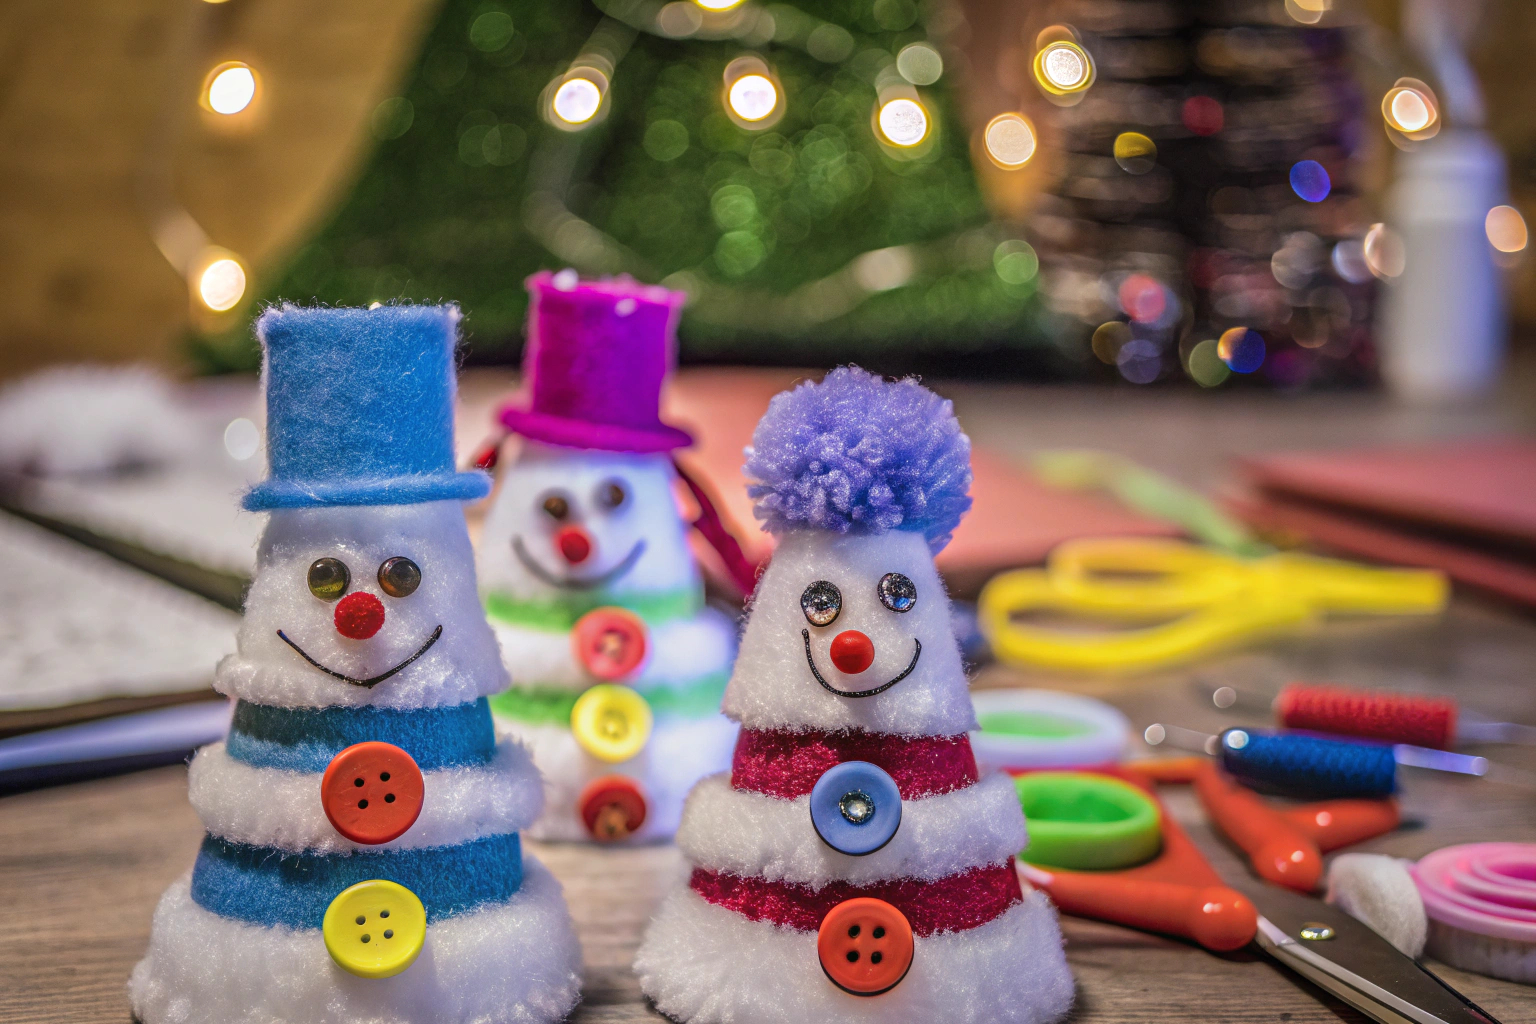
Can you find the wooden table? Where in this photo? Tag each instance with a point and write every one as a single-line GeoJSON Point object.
{"type": "Point", "coordinates": [82, 866]}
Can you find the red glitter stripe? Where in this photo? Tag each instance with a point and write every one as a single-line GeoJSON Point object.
{"type": "Point", "coordinates": [951, 904]}
{"type": "Point", "coordinates": [785, 764]}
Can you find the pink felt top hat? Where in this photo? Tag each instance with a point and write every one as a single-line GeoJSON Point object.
{"type": "Point", "coordinates": [596, 357]}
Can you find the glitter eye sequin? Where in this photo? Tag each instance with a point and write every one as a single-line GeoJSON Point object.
{"type": "Point", "coordinates": [897, 592]}
{"type": "Point", "coordinates": [399, 577]}
{"type": "Point", "coordinates": [555, 506]}
{"type": "Point", "coordinates": [821, 603]}
{"type": "Point", "coordinates": [329, 578]}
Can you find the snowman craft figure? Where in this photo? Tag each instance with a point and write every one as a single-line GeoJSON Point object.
{"type": "Point", "coordinates": [587, 576]}
{"type": "Point", "coordinates": [362, 860]}
{"type": "Point", "coordinates": [852, 865]}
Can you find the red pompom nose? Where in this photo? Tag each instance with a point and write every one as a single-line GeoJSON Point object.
{"type": "Point", "coordinates": [575, 544]}
{"type": "Point", "coordinates": [852, 652]}
{"type": "Point", "coordinates": [359, 616]}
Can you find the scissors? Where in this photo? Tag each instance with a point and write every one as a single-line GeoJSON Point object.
{"type": "Point", "coordinates": [1199, 598]}
{"type": "Point", "coordinates": [1177, 892]}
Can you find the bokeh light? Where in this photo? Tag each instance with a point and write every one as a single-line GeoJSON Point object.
{"type": "Point", "coordinates": [1241, 349]}
{"type": "Point", "coordinates": [1009, 140]}
{"type": "Point", "coordinates": [903, 122]}
{"type": "Point", "coordinates": [1506, 229]}
{"type": "Point", "coordinates": [1349, 261]}
{"type": "Point", "coordinates": [1062, 67]}
{"type": "Point", "coordinates": [1139, 361]}
{"type": "Point", "coordinates": [221, 284]}
{"type": "Point", "coordinates": [920, 64]}
{"type": "Point", "coordinates": [1409, 107]}
{"type": "Point", "coordinates": [753, 97]}
{"type": "Point", "coordinates": [1015, 261]}
{"type": "Point", "coordinates": [1384, 253]}
{"type": "Point", "coordinates": [1203, 115]}
{"type": "Point", "coordinates": [1143, 298]}
{"type": "Point", "coordinates": [1205, 366]}
{"type": "Point", "coordinates": [231, 88]}
{"type": "Point", "coordinates": [576, 101]}
{"type": "Point", "coordinates": [1109, 338]}
{"type": "Point", "coordinates": [1135, 153]}
{"type": "Point", "coordinates": [242, 439]}
{"type": "Point", "coordinates": [1307, 12]}
{"type": "Point", "coordinates": [718, 5]}
{"type": "Point", "coordinates": [1310, 181]}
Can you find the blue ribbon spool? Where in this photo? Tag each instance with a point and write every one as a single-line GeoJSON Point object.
{"type": "Point", "coordinates": [855, 808]}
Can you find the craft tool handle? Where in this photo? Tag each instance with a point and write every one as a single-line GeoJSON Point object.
{"type": "Point", "coordinates": [1370, 714]}
{"type": "Point", "coordinates": [1332, 824]}
{"type": "Point", "coordinates": [1280, 850]}
{"type": "Point", "coordinates": [1307, 765]}
{"type": "Point", "coordinates": [1216, 917]}
{"type": "Point", "coordinates": [1347, 587]}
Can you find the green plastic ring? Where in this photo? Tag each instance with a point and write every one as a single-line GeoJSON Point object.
{"type": "Point", "coordinates": [1087, 822]}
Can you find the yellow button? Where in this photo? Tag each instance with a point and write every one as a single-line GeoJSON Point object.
{"type": "Point", "coordinates": [375, 929]}
{"type": "Point", "coordinates": [611, 722]}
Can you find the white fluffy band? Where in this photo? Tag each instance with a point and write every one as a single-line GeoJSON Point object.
{"type": "Point", "coordinates": [725, 829]}
{"type": "Point", "coordinates": [680, 652]}
{"type": "Point", "coordinates": [679, 752]}
{"type": "Point", "coordinates": [459, 804]}
{"type": "Point", "coordinates": [514, 962]}
{"type": "Point", "coordinates": [705, 964]}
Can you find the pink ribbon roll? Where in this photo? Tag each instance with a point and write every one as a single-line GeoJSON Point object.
{"type": "Point", "coordinates": [1483, 888]}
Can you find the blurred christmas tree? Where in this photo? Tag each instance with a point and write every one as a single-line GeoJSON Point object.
{"type": "Point", "coordinates": [799, 169]}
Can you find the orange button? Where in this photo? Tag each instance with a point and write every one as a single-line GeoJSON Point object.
{"type": "Point", "coordinates": [609, 642]}
{"type": "Point", "coordinates": [612, 807]}
{"type": "Point", "coordinates": [372, 792]}
{"type": "Point", "coordinates": [865, 946]}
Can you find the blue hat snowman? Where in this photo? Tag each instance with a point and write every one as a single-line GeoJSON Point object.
{"type": "Point", "coordinates": [360, 408]}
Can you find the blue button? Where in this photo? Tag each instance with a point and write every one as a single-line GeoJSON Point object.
{"type": "Point", "coordinates": [855, 808]}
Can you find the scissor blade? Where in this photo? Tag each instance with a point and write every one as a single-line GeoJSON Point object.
{"type": "Point", "coordinates": [1355, 964]}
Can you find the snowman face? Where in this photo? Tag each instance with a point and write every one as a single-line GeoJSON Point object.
{"type": "Point", "coordinates": [850, 632]}
{"type": "Point", "coordinates": [377, 600]}
{"type": "Point", "coordinates": [570, 520]}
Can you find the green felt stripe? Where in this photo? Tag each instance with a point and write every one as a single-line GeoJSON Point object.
{"type": "Point", "coordinates": [548, 705]}
{"type": "Point", "coordinates": [559, 616]}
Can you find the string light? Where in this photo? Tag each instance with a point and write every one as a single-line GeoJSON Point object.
{"type": "Point", "coordinates": [221, 281]}
{"type": "Point", "coordinates": [903, 122]}
{"type": "Point", "coordinates": [230, 88]}
{"type": "Point", "coordinates": [1506, 229]}
{"type": "Point", "coordinates": [753, 97]}
{"type": "Point", "coordinates": [1062, 67]}
{"type": "Point", "coordinates": [1409, 107]}
{"type": "Point", "coordinates": [576, 101]}
{"type": "Point", "coordinates": [1009, 140]}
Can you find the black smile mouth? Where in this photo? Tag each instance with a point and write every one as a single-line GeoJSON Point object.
{"type": "Point", "coordinates": [917, 652]}
{"type": "Point", "coordinates": [372, 680]}
{"type": "Point", "coordinates": [578, 582]}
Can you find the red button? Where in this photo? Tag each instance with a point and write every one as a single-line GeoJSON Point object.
{"type": "Point", "coordinates": [612, 807]}
{"type": "Point", "coordinates": [865, 946]}
{"type": "Point", "coordinates": [609, 642]}
{"type": "Point", "coordinates": [372, 792]}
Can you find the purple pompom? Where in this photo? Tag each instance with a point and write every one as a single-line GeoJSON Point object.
{"type": "Point", "coordinates": [859, 453]}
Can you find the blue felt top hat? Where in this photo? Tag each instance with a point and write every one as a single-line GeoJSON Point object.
{"type": "Point", "coordinates": [360, 408]}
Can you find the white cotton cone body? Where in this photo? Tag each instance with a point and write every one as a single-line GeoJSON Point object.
{"type": "Point", "coordinates": [773, 685]}
{"type": "Point", "coordinates": [648, 516]}
{"type": "Point", "coordinates": [639, 550]}
{"type": "Point", "coordinates": [461, 665]}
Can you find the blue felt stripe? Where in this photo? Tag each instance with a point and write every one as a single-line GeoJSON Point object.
{"type": "Point", "coordinates": [305, 739]}
{"type": "Point", "coordinates": [266, 886]}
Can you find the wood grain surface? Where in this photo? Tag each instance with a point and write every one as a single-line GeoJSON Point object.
{"type": "Point", "coordinates": [82, 866]}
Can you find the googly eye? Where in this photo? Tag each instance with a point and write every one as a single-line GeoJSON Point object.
{"type": "Point", "coordinates": [399, 576]}
{"type": "Point", "coordinates": [821, 603]}
{"type": "Point", "coordinates": [897, 592]}
{"type": "Point", "coordinates": [329, 578]}
{"type": "Point", "coordinates": [556, 506]}
{"type": "Point", "coordinates": [612, 494]}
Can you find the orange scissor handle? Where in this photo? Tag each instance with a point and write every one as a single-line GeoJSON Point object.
{"type": "Point", "coordinates": [1335, 823]}
{"type": "Point", "coordinates": [1281, 850]}
{"type": "Point", "coordinates": [1218, 918]}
